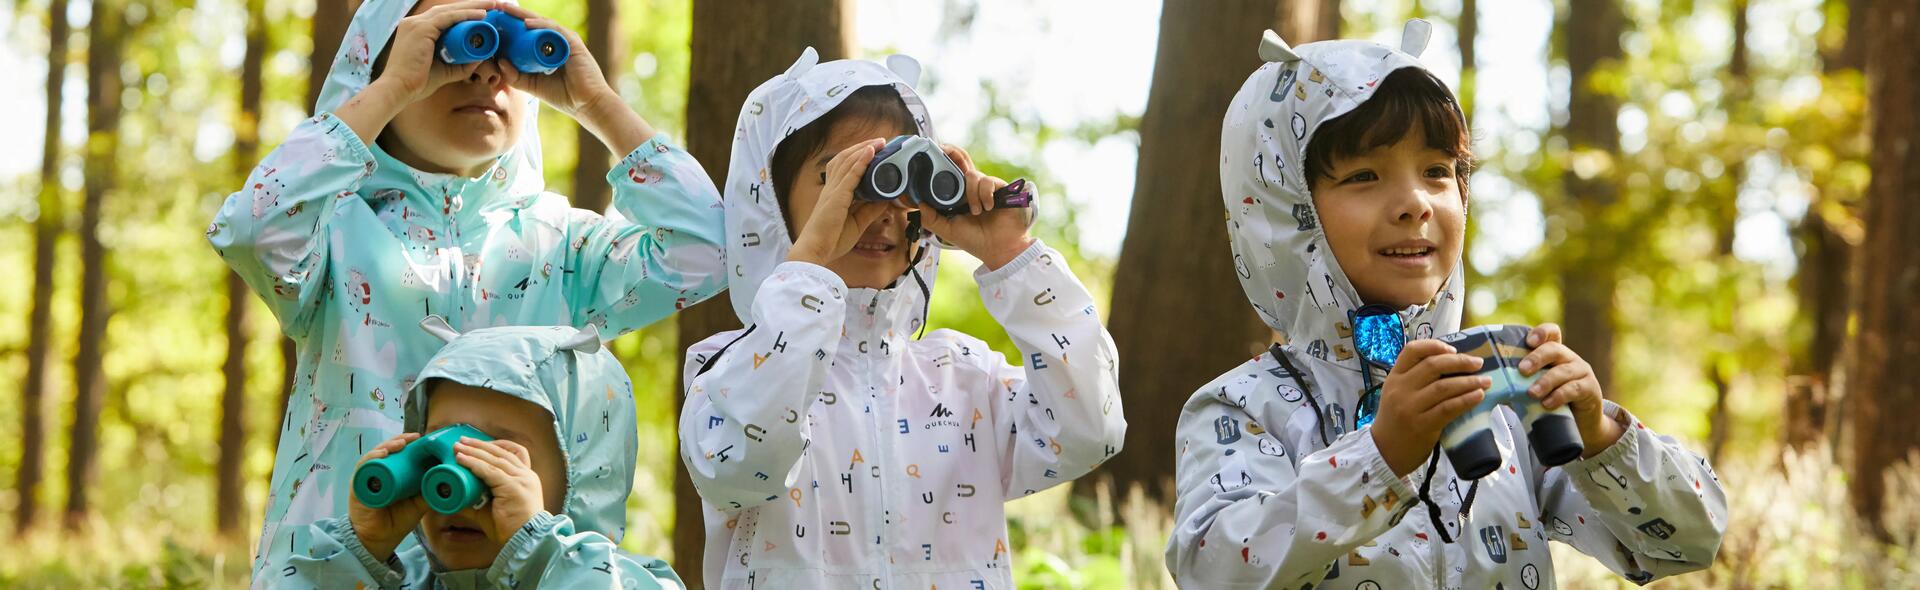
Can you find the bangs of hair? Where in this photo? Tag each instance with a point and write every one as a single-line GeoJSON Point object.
{"type": "Point", "coordinates": [1408, 97]}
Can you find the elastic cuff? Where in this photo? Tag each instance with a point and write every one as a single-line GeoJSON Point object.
{"type": "Point", "coordinates": [1395, 493]}
{"type": "Point", "coordinates": [355, 151]}
{"type": "Point", "coordinates": [652, 148]}
{"type": "Point", "coordinates": [386, 574]}
{"type": "Point", "coordinates": [1034, 251]}
{"type": "Point", "coordinates": [521, 545]}
{"type": "Point", "coordinates": [1626, 446]}
{"type": "Point", "coordinates": [814, 271]}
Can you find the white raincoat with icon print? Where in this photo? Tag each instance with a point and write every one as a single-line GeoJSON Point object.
{"type": "Point", "coordinates": [1277, 489]}
{"type": "Point", "coordinates": [833, 449]}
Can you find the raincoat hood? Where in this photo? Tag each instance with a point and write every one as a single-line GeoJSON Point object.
{"type": "Point", "coordinates": [1280, 252]}
{"type": "Point", "coordinates": [568, 373]}
{"type": "Point", "coordinates": [512, 182]}
{"type": "Point", "coordinates": [757, 233]}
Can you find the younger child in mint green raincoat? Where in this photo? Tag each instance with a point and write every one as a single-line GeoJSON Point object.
{"type": "Point", "coordinates": [561, 411]}
{"type": "Point", "coordinates": [351, 248]}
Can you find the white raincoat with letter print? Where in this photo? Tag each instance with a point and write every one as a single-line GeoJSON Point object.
{"type": "Point", "coordinates": [1278, 489]}
{"type": "Point", "coordinates": [835, 450]}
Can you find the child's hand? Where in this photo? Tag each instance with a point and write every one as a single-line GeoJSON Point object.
{"type": "Point", "coordinates": [575, 86]}
{"type": "Point", "coordinates": [1418, 400]}
{"type": "Point", "coordinates": [381, 529]}
{"type": "Point", "coordinates": [1569, 380]}
{"type": "Point", "coordinates": [413, 69]}
{"type": "Point", "coordinates": [507, 469]}
{"type": "Point", "coordinates": [995, 237]}
{"type": "Point", "coordinates": [837, 222]}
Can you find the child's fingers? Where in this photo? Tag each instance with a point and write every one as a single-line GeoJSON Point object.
{"type": "Point", "coordinates": [519, 451]}
{"type": "Point", "coordinates": [1549, 354]}
{"type": "Point", "coordinates": [960, 157]}
{"type": "Point", "coordinates": [483, 467]}
{"type": "Point", "coordinates": [438, 21]}
{"type": "Point", "coordinates": [1549, 385]}
{"type": "Point", "coordinates": [1413, 352]}
{"type": "Point", "coordinates": [1438, 392]}
{"type": "Point", "coordinates": [489, 449]}
{"type": "Point", "coordinates": [1437, 367]}
{"type": "Point", "coordinates": [1547, 332]}
{"type": "Point", "coordinates": [1451, 408]}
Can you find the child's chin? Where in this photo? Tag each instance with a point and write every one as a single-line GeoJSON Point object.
{"type": "Point", "coordinates": [465, 558]}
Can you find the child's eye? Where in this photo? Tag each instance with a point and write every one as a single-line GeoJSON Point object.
{"type": "Point", "coordinates": [1439, 172]}
{"type": "Point", "coordinates": [1361, 176]}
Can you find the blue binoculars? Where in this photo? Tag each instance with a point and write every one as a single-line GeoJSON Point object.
{"type": "Point", "coordinates": [533, 51]}
{"type": "Point", "coordinates": [424, 467]}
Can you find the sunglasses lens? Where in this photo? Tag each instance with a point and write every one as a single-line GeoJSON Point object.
{"type": "Point", "coordinates": [1379, 337]}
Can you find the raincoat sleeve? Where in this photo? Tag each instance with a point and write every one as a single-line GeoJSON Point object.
{"type": "Point", "coordinates": [744, 425]}
{"type": "Point", "coordinates": [547, 553]}
{"type": "Point", "coordinates": [1059, 416]}
{"type": "Point", "coordinates": [1253, 513]}
{"type": "Point", "coordinates": [1646, 507]}
{"type": "Point", "coordinates": [336, 559]}
{"type": "Point", "coordinates": [657, 250]}
{"type": "Point", "coordinates": [273, 231]}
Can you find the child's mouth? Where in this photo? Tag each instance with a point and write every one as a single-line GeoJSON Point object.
{"type": "Point", "coordinates": [873, 249]}
{"type": "Point", "coordinates": [1416, 256]}
{"type": "Point", "coordinates": [462, 534]}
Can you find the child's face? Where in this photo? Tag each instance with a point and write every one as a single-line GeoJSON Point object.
{"type": "Point", "coordinates": [463, 540]}
{"type": "Point", "coordinates": [1395, 220]}
{"type": "Point", "coordinates": [462, 127]}
{"type": "Point", "coordinates": [882, 253]}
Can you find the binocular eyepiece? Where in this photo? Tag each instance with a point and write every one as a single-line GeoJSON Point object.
{"type": "Point", "coordinates": [424, 467]}
{"type": "Point", "coordinates": [533, 51]}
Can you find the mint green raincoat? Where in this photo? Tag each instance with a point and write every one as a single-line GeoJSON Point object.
{"type": "Point", "coordinates": [581, 385]}
{"type": "Point", "coordinates": [352, 249]}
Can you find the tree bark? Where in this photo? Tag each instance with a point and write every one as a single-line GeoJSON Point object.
{"type": "Point", "coordinates": [1307, 21]}
{"type": "Point", "coordinates": [105, 37]}
{"type": "Point", "coordinates": [46, 232]}
{"type": "Point", "coordinates": [1178, 313]}
{"type": "Point", "coordinates": [1884, 380]}
{"type": "Point", "coordinates": [736, 46]}
{"type": "Point", "coordinates": [1593, 30]}
{"type": "Point", "coordinates": [231, 496]}
{"type": "Point", "coordinates": [590, 189]}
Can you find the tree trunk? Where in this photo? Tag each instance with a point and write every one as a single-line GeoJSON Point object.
{"type": "Point", "coordinates": [105, 37]}
{"type": "Point", "coordinates": [1822, 280]}
{"type": "Point", "coordinates": [1884, 379]}
{"type": "Point", "coordinates": [46, 231]}
{"type": "Point", "coordinates": [736, 46]}
{"type": "Point", "coordinates": [231, 495]}
{"type": "Point", "coordinates": [1467, 27]}
{"type": "Point", "coordinates": [590, 189]}
{"type": "Point", "coordinates": [1593, 31]}
{"type": "Point", "coordinates": [1307, 21]}
{"type": "Point", "coordinates": [1178, 313]}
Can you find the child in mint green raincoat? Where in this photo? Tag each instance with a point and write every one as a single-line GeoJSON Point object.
{"type": "Point", "coordinates": [560, 410]}
{"type": "Point", "coordinates": [417, 191]}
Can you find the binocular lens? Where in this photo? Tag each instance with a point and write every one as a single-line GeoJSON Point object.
{"type": "Point", "coordinates": [374, 485]}
{"type": "Point", "coordinates": [444, 489]}
{"type": "Point", "coordinates": [547, 49]}
{"type": "Point", "coordinates": [887, 179]}
{"type": "Point", "coordinates": [946, 186]}
{"type": "Point", "coordinates": [476, 41]}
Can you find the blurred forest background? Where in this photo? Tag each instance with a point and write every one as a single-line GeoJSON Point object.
{"type": "Point", "coordinates": [1716, 198]}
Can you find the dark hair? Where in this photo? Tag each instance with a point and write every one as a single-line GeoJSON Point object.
{"type": "Point", "coordinates": [1407, 96]}
{"type": "Point", "coordinates": [875, 104]}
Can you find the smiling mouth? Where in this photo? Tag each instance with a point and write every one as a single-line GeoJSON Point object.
{"type": "Point", "coordinates": [874, 247]}
{"type": "Point", "coordinates": [480, 110]}
{"type": "Point", "coordinates": [1408, 252]}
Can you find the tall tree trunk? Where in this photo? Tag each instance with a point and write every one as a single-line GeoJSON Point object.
{"type": "Point", "coordinates": [104, 40]}
{"type": "Point", "coordinates": [1307, 21]}
{"type": "Point", "coordinates": [231, 496]}
{"type": "Point", "coordinates": [1823, 278]}
{"type": "Point", "coordinates": [736, 46]}
{"type": "Point", "coordinates": [1467, 29]}
{"type": "Point", "coordinates": [590, 190]}
{"type": "Point", "coordinates": [1178, 313]}
{"type": "Point", "coordinates": [1593, 31]}
{"type": "Point", "coordinates": [46, 231]}
{"type": "Point", "coordinates": [1884, 379]}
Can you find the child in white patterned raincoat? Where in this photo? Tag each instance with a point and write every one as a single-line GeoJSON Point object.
{"type": "Point", "coordinates": [833, 448]}
{"type": "Point", "coordinates": [1343, 168]}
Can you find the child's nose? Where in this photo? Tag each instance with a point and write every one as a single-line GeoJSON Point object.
{"type": "Point", "coordinates": [489, 73]}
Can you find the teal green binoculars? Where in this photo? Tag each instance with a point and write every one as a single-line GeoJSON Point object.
{"type": "Point", "coordinates": [424, 467]}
